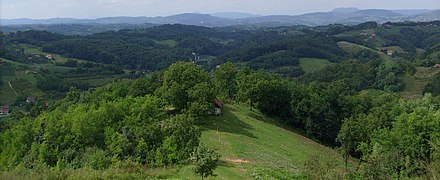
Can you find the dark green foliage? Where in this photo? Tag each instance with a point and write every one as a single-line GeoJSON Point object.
{"type": "Point", "coordinates": [430, 57]}
{"type": "Point", "coordinates": [365, 56]}
{"type": "Point", "coordinates": [114, 51]}
{"type": "Point", "coordinates": [187, 87]}
{"type": "Point", "coordinates": [247, 83]}
{"type": "Point", "coordinates": [226, 80]}
{"type": "Point", "coordinates": [36, 37]}
{"type": "Point", "coordinates": [374, 74]}
{"type": "Point", "coordinates": [266, 92]}
{"type": "Point", "coordinates": [125, 121]}
{"type": "Point", "coordinates": [274, 60]}
{"type": "Point", "coordinates": [387, 77]}
{"type": "Point", "coordinates": [204, 161]}
{"type": "Point", "coordinates": [273, 97]}
{"type": "Point", "coordinates": [51, 83]}
{"type": "Point", "coordinates": [318, 108]}
{"type": "Point", "coordinates": [201, 46]}
{"type": "Point", "coordinates": [309, 47]}
{"type": "Point", "coordinates": [433, 87]}
{"type": "Point", "coordinates": [358, 76]}
{"type": "Point", "coordinates": [95, 129]}
{"type": "Point", "coordinates": [371, 111]}
{"type": "Point", "coordinates": [394, 138]}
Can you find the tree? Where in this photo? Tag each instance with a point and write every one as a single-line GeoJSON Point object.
{"type": "Point", "coordinates": [225, 80]}
{"type": "Point", "coordinates": [180, 80]}
{"type": "Point", "coordinates": [273, 97]}
{"type": "Point", "coordinates": [201, 99]}
{"type": "Point", "coordinates": [433, 86]}
{"type": "Point", "coordinates": [204, 161]}
{"type": "Point", "coordinates": [248, 84]}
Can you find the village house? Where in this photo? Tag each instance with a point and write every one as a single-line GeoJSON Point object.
{"type": "Point", "coordinates": [4, 109]}
{"type": "Point", "coordinates": [30, 100]}
{"type": "Point", "coordinates": [390, 52]}
{"type": "Point", "coordinates": [49, 57]}
{"type": "Point", "coordinates": [437, 66]}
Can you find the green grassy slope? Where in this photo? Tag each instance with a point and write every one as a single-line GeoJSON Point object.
{"type": "Point", "coordinates": [352, 48]}
{"type": "Point", "coordinates": [20, 78]}
{"type": "Point", "coordinates": [313, 64]}
{"type": "Point", "coordinates": [414, 84]}
{"type": "Point", "coordinates": [252, 146]}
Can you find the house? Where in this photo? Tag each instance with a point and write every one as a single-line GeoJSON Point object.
{"type": "Point", "coordinates": [49, 56]}
{"type": "Point", "coordinates": [390, 52]}
{"type": "Point", "coordinates": [218, 110]}
{"type": "Point", "coordinates": [30, 100]}
{"type": "Point", "coordinates": [437, 66]}
{"type": "Point", "coordinates": [4, 109]}
{"type": "Point", "coordinates": [381, 53]}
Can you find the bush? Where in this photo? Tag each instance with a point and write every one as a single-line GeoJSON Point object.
{"type": "Point", "coordinates": [96, 159]}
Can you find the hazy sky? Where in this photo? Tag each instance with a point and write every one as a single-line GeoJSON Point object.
{"type": "Point", "coordinates": [105, 8]}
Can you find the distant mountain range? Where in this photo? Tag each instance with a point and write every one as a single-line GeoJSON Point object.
{"type": "Point", "coordinates": [339, 15]}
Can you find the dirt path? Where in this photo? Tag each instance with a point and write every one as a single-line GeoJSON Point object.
{"type": "Point", "coordinates": [237, 160]}
{"type": "Point", "coordinates": [10, 85]}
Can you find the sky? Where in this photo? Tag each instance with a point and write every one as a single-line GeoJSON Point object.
{"type": "Point", "coordinates": [41, 9]}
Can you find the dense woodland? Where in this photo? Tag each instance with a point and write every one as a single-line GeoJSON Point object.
{"type": "Point", "coordinates": [154, 119]}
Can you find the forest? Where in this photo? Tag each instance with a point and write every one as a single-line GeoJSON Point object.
{"type": "Point", "coordinates": [153, 115]}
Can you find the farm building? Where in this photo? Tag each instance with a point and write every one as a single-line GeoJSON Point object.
{"type": "Point", "coordinates": [390, 52]}
{"type": "Point", "coordinates": [49, 57]}
{"type": "Point", "coordinates": [4, 109]}
{"type": "Point", "coordinates": [218, 110]}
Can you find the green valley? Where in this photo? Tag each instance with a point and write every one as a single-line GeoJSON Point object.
{"type": "Point", "coordinates": [187, 102]}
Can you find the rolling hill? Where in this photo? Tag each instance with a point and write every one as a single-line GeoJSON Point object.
{"type": "Point", "coordinates": [339, 15]}
{"type": "Point", "coordinates": [20, 80]}
{"type": "Point", "coordinates": [251, 145]}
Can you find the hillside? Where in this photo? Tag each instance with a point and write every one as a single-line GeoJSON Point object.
{"type": "Point", "coordinates": [339, 15]}
{"type": "Point", "coordinates": [251, 147]}
{"type": "Point", "coordinates": [23, 79]}
{"type": "Point", "coordinates": [414, 84]}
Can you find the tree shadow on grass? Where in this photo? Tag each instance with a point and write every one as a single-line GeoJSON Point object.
{"type": "Point", "coordinates": [225, 164]}
{"type": "Point", "coordinates": [228, 123]}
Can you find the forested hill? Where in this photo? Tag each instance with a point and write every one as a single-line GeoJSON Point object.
{"type": "Point", "coordinates": [369, 55]}
{"type": "Point", "coordinates": [151, 127]}
{"type": "Point", "coordinates": [157, 47]}
{"type": "Point", "coordinates": [124, 104]}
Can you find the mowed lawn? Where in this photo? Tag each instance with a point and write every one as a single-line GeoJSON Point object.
{"type": "Point", "coordinates": [252, 146]}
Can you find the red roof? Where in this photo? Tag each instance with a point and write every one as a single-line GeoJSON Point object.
{"type": "Point", "coordinates": [218, 103]}
{"type": "Point", "coordinates": [4, 109]}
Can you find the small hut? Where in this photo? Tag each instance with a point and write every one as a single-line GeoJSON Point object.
{"type": "Point", "coordinates": [218, 110]}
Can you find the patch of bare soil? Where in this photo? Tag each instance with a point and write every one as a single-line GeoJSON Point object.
{"type": "Point", "coordinates": [239, 161]}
